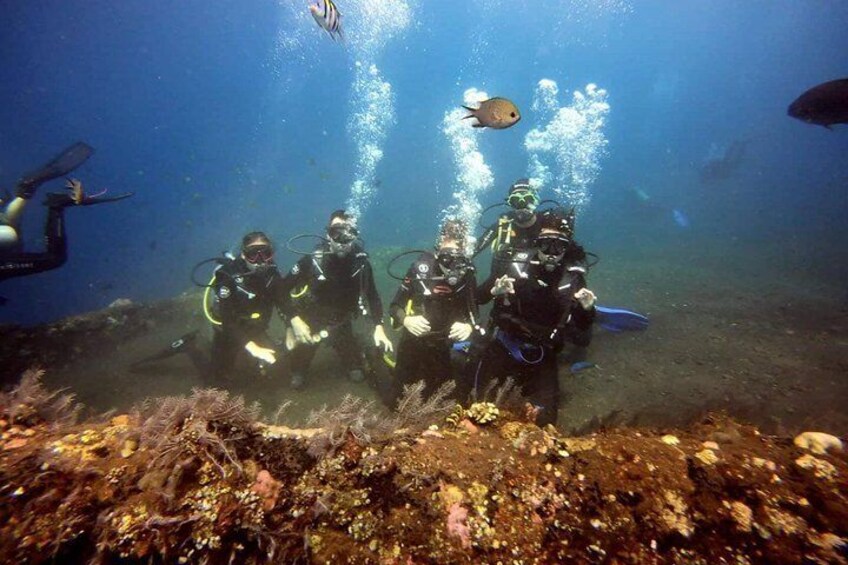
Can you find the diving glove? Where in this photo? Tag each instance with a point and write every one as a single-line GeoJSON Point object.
{"type": "Point", "coordinates": [381, 340]}
{"type": "Point", "coordinates": [460, 331]}
{"type": "Point", "coordinates": [291, 342]}
{"type": "Point", "coordinates": [503, 285]}
{"type": "Point", "coordinates": [302, 331]}
{"type": "Point", "coordinates": [586, 298]}
{"type": "Point", "coordinates": [263, 354]}
{"type": "Point", "coordinates": [416, 325]}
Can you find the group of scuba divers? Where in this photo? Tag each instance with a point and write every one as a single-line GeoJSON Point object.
{"type": "Point", "coordinates": [537, 282]}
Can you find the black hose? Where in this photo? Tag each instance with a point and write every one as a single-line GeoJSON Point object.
{"type": "Point", "coordinates": [303, 236]}
{"type": "Point", "coordinates": [219, 260]}
{"type": "Point", "coordinates": [396, 257]}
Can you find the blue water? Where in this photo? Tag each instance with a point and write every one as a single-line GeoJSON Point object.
{"type": "Point", "coordinates": [227, 117]}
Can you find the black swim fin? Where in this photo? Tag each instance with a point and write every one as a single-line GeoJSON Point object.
{"type": "Point", "coordinates": [176, 347]}
{"type": "Point", "coordinates": [67, 161]}
{"type": "Point", "coordinates": [62, 200]}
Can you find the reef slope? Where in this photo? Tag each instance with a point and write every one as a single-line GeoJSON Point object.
{"type": "Point", "coordinates": [199, 479]}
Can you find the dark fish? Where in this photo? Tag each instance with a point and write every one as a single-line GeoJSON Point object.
{"type": "Point", "coordinates": [824, 105]}
{"type": "Point", "coordinates": [495, 113]}
{"type": "Point", "coordinates": [152, 245]}
{"type": "Point", "coordinates": [724, 163]}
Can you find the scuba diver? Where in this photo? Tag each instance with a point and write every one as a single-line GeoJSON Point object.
{"type": "Point", "coordinates": [515, 231]}
{"type": "Point", "coordinates": [14, 262]}
{"type": "Point", "coordinates": [328, 289]}
{"type": "Point", "coordinates": [246, 290]}
{"type": "Point", "coordinates": [536, 312]}
{"type": "Point", "coordinates": [436, 307]}
{"type": "Point", "coordinates": [516, 228]}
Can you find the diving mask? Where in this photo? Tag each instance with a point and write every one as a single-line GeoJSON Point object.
{"type": "Point", "coordinates": [342, 233]}
{"type": "Point", "coordinates": [453, 265]}
{"type": "Point", "coordinates": [258, 254]}
{"type": "Point", "coordinates": [551, 249]}
{"type": "Point", "coordinates": [523, 200]}
{"type": "Point", "coordinates": [342, 237]}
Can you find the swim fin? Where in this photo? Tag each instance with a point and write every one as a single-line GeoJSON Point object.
{"type": "Point", "coordinates": [63, 200]}
{"type": "Point", "coordinates": [67, 161]}
{"type": "Point", "coordinates": [178, 346]}
{"type": "Point", "coordinates": [620, 320]}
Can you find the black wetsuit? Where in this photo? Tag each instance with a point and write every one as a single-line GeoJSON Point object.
{"type": "Point", "coordinates": [328, 292]}
{"type": "Point", "coordinates": [529, 329]}
{"type": "Point", "coordinates": [17, 263]}
{"type": "Point", "coordinates": [425, 292]}
{"type": "Point", "coordinates": [244, 303]}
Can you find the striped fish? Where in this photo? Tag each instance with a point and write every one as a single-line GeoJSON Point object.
{"type": "Point", "coordinates": [328, 17]}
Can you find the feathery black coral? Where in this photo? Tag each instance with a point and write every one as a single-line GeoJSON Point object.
{"type": "Point", "coordinates": [186, 432]}
{"type": "Point", "coordinates": [367, 422]}
{"type": "Point", "coordinates": [30, 402]}
{"type": "Point", "coordinates": [415, 412]}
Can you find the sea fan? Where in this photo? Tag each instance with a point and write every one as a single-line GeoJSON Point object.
{"type": "Point", "coordinates": [31, 402]}
{"type": "Point", "coordinates": [353, 415]}
{"type": "Point", "coordinates": [182, 432]}
{"type": "Point", "coordinates": [368, 423]}
{"type": "Point", "coordinates": [504, 394]}
{"type": "Point", "coordinates": [414, 411]}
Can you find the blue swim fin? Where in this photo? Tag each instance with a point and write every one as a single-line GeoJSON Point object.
{"type": "Point", "coordinates": [620, 320]}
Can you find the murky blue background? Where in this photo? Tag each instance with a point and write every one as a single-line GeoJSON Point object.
{"type": "Point", "coordinates": [226, 117]}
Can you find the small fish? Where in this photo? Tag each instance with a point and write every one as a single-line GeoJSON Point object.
{"type": "Point", "coordinates": [823, 105]}
{"type": "Point", "coordinates": [311, 162]}
{"type": "Point", "coordinates": [680, 218]}
{"type": "Point", "coordinates": [495, 113]}
{"type": "Point", "coordinates": [581, 366]}
{"type": "Point", "coordinates": [641, 194]}
{"type": "Point", "coordinates": [328, 18]}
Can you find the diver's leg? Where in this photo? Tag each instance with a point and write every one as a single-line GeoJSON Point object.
{"type": "Point", "coordinates": [406, 367]}
{"type": "Point", "coordinates": [55, 255]}
{"type": "Point", "coordinates": [301, 357]}
{"type": "Point", "coordinates": [541, 386]}
{"type": "Point", "coordinates": [349, 351]}
{"type": "Point", "coordinates": [225, 350]}
{"type": "Point", "coordinates": [12, 215]}
{"type": "Point", "coordinates": [436, 365]}
{"type": "Point", "coordinates": [494, 364]}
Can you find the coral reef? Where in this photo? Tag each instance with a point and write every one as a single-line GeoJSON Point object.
{"type": "Point", "coordinates": [198, 479]}
{"type": "Point", "coordinates": [30, 403]}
